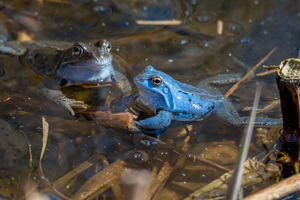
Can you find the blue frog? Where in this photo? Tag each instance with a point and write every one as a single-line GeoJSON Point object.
{"type": "Point", "coordinates": [173, 100]}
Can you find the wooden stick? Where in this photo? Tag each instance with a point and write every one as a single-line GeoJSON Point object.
{"type": "Point", "coordinates": [159, 22]}
{"type": "Point", "coordinates": [278, 190]}
{"type": "Point", "coordinates": [236, 85]}
{"type": "Point", "coordinates": [267, 72]}
{"type": "Point", "coordinates": [269, 107]}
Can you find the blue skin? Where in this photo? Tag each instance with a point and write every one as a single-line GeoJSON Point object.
{"type": "Point", "coordinates": [173, 100]}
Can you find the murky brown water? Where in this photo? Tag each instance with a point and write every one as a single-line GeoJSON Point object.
{"type": "Point", "coordinates": [189, 52]}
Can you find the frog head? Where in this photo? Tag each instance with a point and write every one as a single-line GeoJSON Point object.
{"type": "Point", "coordinates": [156, 89]}
{"type": "Point", "coordinates": [86, 63]}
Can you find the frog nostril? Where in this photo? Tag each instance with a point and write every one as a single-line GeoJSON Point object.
{"type": "Point", "coordinates": [99, 43]}
{"type": "Point", "coordinates": [142, 79]}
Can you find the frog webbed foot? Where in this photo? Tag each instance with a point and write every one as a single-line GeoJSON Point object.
{"type": "Point", "coordinates": [70, 104]}
{"type": "Point", "coordinates": [160, 121]}
{"type": "Point", "coordinates": [263, 121]}
{"type": "Point", "coordinates": [59, 98]}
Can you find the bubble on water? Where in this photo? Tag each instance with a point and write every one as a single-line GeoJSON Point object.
{"type": "Point", "coordinates": [234, 27]}
{"type": "Point", "coordinates": [243, 40]}
{"type": "Point", "coordinates": [201, 18]}
{"type": "Point", "coordinates": [204, 18]}
{"type": "Point", "coordinates": [182, 40]}
{"type": "Point", "coordinates": [99, 8]}
{"type": "Point", "coordinates": [102, 9]}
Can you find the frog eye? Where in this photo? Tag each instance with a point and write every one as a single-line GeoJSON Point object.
{"type": "Point", "coordinates": [77, 50]}
{"type": "Point", "coordinates": [156, 81]}
{"type": "Point", "coordinates": [108, 47]}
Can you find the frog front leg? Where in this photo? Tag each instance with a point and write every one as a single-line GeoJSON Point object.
{"type": "Point", "coordinates": [58, 97]}
{"type": "Point", "coordinates": [122, 82]}
{"type": "Point", "coordinates": [160, 121]}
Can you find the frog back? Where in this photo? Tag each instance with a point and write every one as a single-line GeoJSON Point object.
{"type": "Point", "coordinates": [40, 57]}
{"type": "Point", "coordinates": [42, 61]}
{"type": "Point", "coordinates": [192, 103]}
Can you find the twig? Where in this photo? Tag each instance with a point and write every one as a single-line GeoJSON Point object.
{"type": "Point", "coordinates": [237, 177]}
{"type": "Point", "coordinates": [269, 107]}
{"type": "Point", "coordinates": [168, 168]}
{"type": "Point", "coordinates": [66, 179]}
{"type": "Point", "coordinates": [54, 1]}
{"type": "Point", "coordinates": [236, 85]}
{"type": "Point", "coordinates": [270, 67]}
{"type": "Point", "coordinates": [267, 72]}
{"type": "Point", "coordinates": [29, 148]}
{"type": "Point", "coordinates": [159, 22]}
{"type": "Point", "coordinates": [184, 153]}
{"type": "Point", "coordinates": [162, 177]}
{"type": "Point", "coordinates": [220, 25]}
{"type": "Point", "coordinates": [40, 170]}
{"type": "Point", "coordinates": [102, 181]}
{"type": "Point", "coordinates": [278, 190]}
{"type": "Point", "coordinates": [254, 173]}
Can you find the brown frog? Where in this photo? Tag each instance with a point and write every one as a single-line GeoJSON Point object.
{"type": "Point", "coordinates": [64, 64]}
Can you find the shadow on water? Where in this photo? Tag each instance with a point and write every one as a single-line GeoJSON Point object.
{"type": "Point", "coordinates": [189, 51]}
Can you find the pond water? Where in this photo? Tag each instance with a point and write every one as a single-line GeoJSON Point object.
{"type": "Point", "coordinates": [196, 39]}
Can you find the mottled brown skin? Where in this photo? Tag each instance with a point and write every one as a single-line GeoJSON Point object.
{"type": "Point", "coordinates": [78, 64]}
